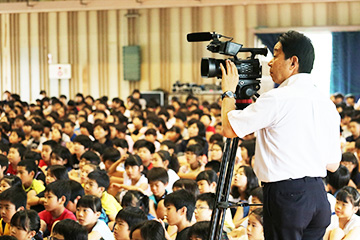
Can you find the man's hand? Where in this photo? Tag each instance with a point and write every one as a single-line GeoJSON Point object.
{"type": "Point", "coordinates": [230, 76]}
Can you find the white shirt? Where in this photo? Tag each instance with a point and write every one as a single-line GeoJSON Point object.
{"type": "Point", "coordinates": [104, 230]}
{"type": "Point", "coordinates": [352, 223]}
{"type": "Point", "coordinates": [298, 130]}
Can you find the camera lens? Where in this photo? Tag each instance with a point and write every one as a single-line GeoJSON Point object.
{"type": "Point", "coordinates": [210, 67]}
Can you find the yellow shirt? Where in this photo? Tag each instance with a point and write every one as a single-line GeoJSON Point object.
{"type": "Point", "coordinates": [6, 230]}
{"type": "Point", "coordinates": [35, 185]}
{"type": "Point", "coordinates": [109, 203]}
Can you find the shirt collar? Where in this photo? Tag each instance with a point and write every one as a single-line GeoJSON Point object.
{"type": "Point", "coordinates": [299, 78]}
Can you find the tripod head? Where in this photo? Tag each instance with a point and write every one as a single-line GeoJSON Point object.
{"type": "Point", "coordinates": [245, 91]}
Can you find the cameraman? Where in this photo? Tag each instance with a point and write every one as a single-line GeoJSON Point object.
{"type": "Point", "coordinates": [298, 139]}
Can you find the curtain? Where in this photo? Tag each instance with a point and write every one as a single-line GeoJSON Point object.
{"type": "Point", "coordinates": [345, 69]}
{"type": "Point", "coordinates": [269, 40]}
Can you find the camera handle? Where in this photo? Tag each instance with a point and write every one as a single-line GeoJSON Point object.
{"type": "Point", "coordinates": [244, 91]}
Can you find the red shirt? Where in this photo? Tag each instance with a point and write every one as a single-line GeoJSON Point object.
{"type": "Point", "coordinates": [11, 170]}
{"type": "Point", "coordinates": [42, 163]}
{"type": "Point", "coordinates": [47, 217]}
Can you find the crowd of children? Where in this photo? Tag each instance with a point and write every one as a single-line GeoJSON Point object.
{"type": "Point", "coordinates": [100, 169]}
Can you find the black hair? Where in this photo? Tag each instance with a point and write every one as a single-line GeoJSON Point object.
{"type": "Point", "coordinates": [181, 116]}
{"type": "Point", "coordinates": [150, 230]}
{"type": "Point", "coordinates": [33, 156]}
{"type": "Point", "coordinates": [90, 201]}
{"type": "Point", "coordinates": [180, 199]}
{"type": "Point", "coordinates": [20, 148]}
{"type": "Point", "coordinates": [29, 165]}
{"type": "Point", "coordinates": [59, 188]}
{"type": "Point", "coordinates": [63, 153]}
{"type": "Point", "coordinates": [92, 157]}
{"type": "Point", "coordinates": [51, 143]}
{"type": "Point", "coordinates": [158, 174]}
{"type": "Point", "coordinates": [169, 144]}
{"type": "Point", "coordinates": [88, 126]}
{"type": "Point", "coordinates": [111, 154]}
{"type": "Point", "coordinates": [19, 132]}
{"type": "Point", "coordinates": [4, 162]}
{"type": "Point", "coordinates": [150, 131]}
{"type": "Point", "coordinates": [76, 190]}
{"type": "Point", "coordinates": [252, 182]}
{"type": "Point", "coordinates": [296, 44]}
{"type": "Point", "coordinates": [214, 165]}
{"type": "Point", "coordinates": [104, 126]}
{"type": "Point", "coordinates": [98, 147]}
{"type": "Point", "coordinates": [131, 215]}
{"type": "Point", "coordinates": [339, 178]}
{"type": "Point", "coordinates": [209, 198]}
{"type": "Point", "coordinates": [38, 127]}
{"type": "Point", "coordinates": [209, 176]}
{"type": "Point", "coordinates": [172, 159]}
{"type": "Point", "coordinates": [72, 124]}
{"type": "Point", "coordinates": [350, 157]}
{"type": "Point", "coordinates": [117, 142]}
{"type": "Point", "coordinates": [217, 138]}
{"type": "Point", "coordinates": [27, 220]}
{"type": "Point", "coordinates": [250, 147]}
{"type": "Point", "coordinates": [46, 123]}
{"type": "Point", "coordinates": [200, 230]}
{"type": "Point", "coordinates": [4, 148]}
{"type": "Point", "coordinates": [70, 230]}
{"type": "Point", "coordinates": [133, 160]}
{"type": "Point", "coordinates": [195, 148]}
{"type": "Point", "coordinates": [140, 199]}
{"type": "Point", "coordinates": [149, 145]}
{"type": "Point", "coordinates": [187, 184]}
{"type": "Point", "coordinates": [7, 237]}
{"type": "Point", "coordinates": [258, 193]}
{"type": "Point", "coordinates": [101, 178]}
{"type": "Point", "coordinates": [200, 126]}
{"type": "Point", "coordinates": [15, 195]}
{"type": "Point", "coordinates": [59, 172]}
{"type": "Point", "coordinates": [83, 140]}
{"type": "Point", "coordinates": [349, 195]}
{"type": "Point", "coordinates": [12, 180]}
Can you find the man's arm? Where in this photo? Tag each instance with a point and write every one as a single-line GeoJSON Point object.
{"type": "Point", "coordinates": [332, 167]}
{"type": "Point", "coordinates": [230, 79]}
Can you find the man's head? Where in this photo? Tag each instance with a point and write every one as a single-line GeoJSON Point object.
{"type": "Point", "coordinates": [293, 53]}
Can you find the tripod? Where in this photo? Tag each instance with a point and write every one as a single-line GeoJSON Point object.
{"type": "Point", "coordinates": [244, 91]}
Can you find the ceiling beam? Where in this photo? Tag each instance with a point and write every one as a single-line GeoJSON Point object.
{"type": "Point", "coordinates": [87, 5]}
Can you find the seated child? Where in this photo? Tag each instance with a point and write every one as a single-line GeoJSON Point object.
{"type": "Point", "coordinates": [25, 224]}
{"type": "Point", "coordinates": [16, 136]}
{"type": "Point", "coordinates": [200, 230]}
{"type": "Point", "coordinates": [77, 191]}
{"type": "Point", "coordinates": [145, 151]}
{"type": "Point", "coordinates": [85, 170]}
{"type": "Point", "coordinates": [110, 156]}
{"type": "Point", "coordinates": [345, 224]}
{"type": "Point", "coordinates": [187, 184]}
{"type": "Point", "coordinates": [9, 181]}
{"type": "Point", "coordinates": [148, 230]}
{"type": "Point", "coordinates": [180, 207]}
{"type": "Point", "coordinates": [255, 229]}
{"type": "Point", "coordinates": [158, 179]}
{"type": "Point", "coordinates": [69, 229]}
{"type": "Point", "coordinates": [207, 181]}
{"type": "Point", "coordinates": [16, 152]}
{"type": "Point", "coordinates": [137, 199]}
{"type": "Point", "coordinates": [126, 219]}
{"type": "Point", "coordinates": [88, 211]}
{"type": "Point", "coordinates": [57, 195]}
{"type": "Point", "coordinates": [61, 156]}
{"type": "Point", "coordinates": [26, 172]}
{"type": "Point", "coordinates": [194, 164]}
{"type": "Point", "coordinates": [97, 184]}
{"type": "Point", "coordinates": [47, 148]}
{"type": "Point", "coordinates": [11, 201]}
{"type": "Point", "coordinates": [88, 157]}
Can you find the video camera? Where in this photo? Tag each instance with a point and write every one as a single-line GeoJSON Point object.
{"type": "Point", "coordinates": [249, 69]}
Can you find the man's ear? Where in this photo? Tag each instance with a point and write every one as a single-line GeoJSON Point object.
{"type": "Point", "coordinates": [294, 63]}
{"type": "Point", "coordinates": [62, 199]}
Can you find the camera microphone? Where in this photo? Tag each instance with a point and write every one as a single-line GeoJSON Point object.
{"type": "Point", "coordinates": [201, 36]}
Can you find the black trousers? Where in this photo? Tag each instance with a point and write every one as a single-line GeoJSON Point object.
{"type": "Point", "coordinates": [296, 209]}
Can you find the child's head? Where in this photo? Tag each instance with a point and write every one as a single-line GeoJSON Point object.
{"type": "Point", "coordinates": [162, 158]}
{"type": "Point", "coordinates": [16, 152]}
{"type": "Point", "coordinates": [207, 181]}
{"type": "Point", "coordinates": [88, 210]}
{"type": "Point", "coordinates": [133, 166]}
{"type": "Point", "coordinates": [85, 170]}
{"type": "Point", "coordinates": [244, 181]}
{"type": "Point", "coordinates": [77, 191]}
{"type": "Point", "coordinates": [150, 229]}
{"type": "Point", "coordinates": [25, 224]}
{"type": "Point", "coordinates": [11, 201]}
{"type": "Point", "coordinates": [187, 184]}
{"type": "Point", "coordinates": [338, 179]}
{"type": "Point", "coordinates": [82, 143]}
{"type": "Point", "coordinates": [4, 148]}
{"type": "Point", "coordinates": [150, 135]}
{"type": "Point", "coordinates": [213, 165]}
{"type": "Point", "coordinates": [257, 197]}
{"type": "Point", "coordinates": [255, 228]}
{"type": "Point", "coordinates": [89, 157]}
{"type": "Point", "coordinates": [158, 179]}
{"type": "Point", "coordinates": [98, 182]}
{"type": "Point", "coordinates": [137, 199]}
{"type": "Point", "coordinates": [121, 144]}
{"type": "Point", "coordinates": [110, 156]}
{"type": "Point", "coordinates": [37, 130]}
{"type": "Point", "coordinates": [16, 136]}
{"type": "Point", "coordinates": [347, 202]}
{"type": "Point", "coordinates": [69, 229]}
{"type": "Point", "coordinates": [126, 219]}
{"type": "Point", "coordinates": [69, 127]}
{"type": "Point", "coordinates": [61, 156]}
{"type": "Point", "coordinates": [26, 171]}
{"type": "Point", "coordinates": [200, 230]}
{"type": "Point", "coordinates": [4, 164]}
{"type": "Point", "coordinates": [145, 152]}
{"type": "Point", "coordinates": [180, 207]}
{"type": "Point", "coordinates": [193, 153]}
{"type": "Point", "coordinates": [56, 172]}
{"type": "Point", "coordinates": [350, 161]}
{"type": "Point", "coordinates": [57, 195]}
{"type": "Point", "coordinates": [46, 150]}
{"type": "Point", "coordinates": [9, 181]}
{"type": "Point", "coordinates": [101, 131]}
{"type": "Point", "coordinates": [31, 155]}
{"type": "Point", "coordinates": [354, 126]}
{"type": "Point", "coordinates": [204, 206]}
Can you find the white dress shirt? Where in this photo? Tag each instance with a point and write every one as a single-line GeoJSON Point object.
{"type": "Point", "coordinates": [298, 130]}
